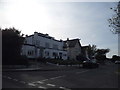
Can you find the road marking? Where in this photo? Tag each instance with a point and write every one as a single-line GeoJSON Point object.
{"type": "Point", "coordinates": [15, 79]}
{"type": "Point", "coordinates": [58, 77]}
{"type": "Point", "coordinates": [45, 80]}
{"type": "Point", "coordinates": [51, 85]}
{"type": "Point", "coordinates": [31, 84]}
{"type": "Point", "coordinates": [64, 88]}
{"type": "Point", "coordinates": [40, 82]}
{"type": "Point", "coordinates": [82, 72]}
{"type": "Point", "coordinates": [37, 82]}
{"type": "Point", "coordinates": [42, 87]}
{"type": "Point", "coordinates": [22, 82]}
{"type": "Point", "coordinates": [9, 77]}
{"type": "Point", "coordinates": [52, 78]}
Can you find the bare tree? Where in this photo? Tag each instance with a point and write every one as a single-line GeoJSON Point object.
{"type": "Point", "coordinates": [114, 23]}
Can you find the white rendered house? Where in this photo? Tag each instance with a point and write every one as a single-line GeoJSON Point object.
{"type": "Point", "coordinates": [41, 45]}
{"type": "Point", "coordinates": [73, 48]}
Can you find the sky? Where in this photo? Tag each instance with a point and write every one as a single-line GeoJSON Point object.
{"type": "Point", "coordinates": [87, 21]}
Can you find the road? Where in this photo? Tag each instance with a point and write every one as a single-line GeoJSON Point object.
{"type": "Point", "coordinates": [106, 76]}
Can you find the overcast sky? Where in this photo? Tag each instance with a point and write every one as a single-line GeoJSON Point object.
{"type": "Point", "coordinates": [62, 20]}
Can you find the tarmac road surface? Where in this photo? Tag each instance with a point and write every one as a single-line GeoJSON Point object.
{"type": "Point", "coordinates": [106, 76]}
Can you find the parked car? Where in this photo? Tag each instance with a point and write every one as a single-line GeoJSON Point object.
{"type": "Point", "coordinates": [117, 62]}
{"type": "Point", "coordinates": [90, 64]}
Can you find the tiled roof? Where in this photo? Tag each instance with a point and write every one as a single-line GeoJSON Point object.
{"type": "Point", "coordinates": [85, 46]}
{"type": "Point", "coordinates": [45, 36]}
{"type": "Point", "coordinates": [71, 43]}
{"type": "Point", "coordinates": [30, 36]}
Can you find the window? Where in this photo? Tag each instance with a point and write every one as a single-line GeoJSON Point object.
{"type": "Point", "coordinates": [30, 53]}
{"type": "Point", "coordinates": [46, 53]}
{"type": "Point", "coordinates": [37, 43]}
{"type": "Point", "coordinates": [60, 55]}
{"type": "Point", "coordinates": [65, 55]}
{"type": "Point", "coordinates": [53, 53]}
{"type": "Point", "coordinates": [55, 46]}
{"type": "Point", "coordinates": [47, 45]}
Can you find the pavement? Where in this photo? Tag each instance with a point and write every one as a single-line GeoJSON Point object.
{"type": "Point", "coordinates": [45, 67]}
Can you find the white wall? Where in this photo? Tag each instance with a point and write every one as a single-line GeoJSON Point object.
{"type": "Point", "coordinates": [40, 42]}
{"type": "Point", "coordinates": [74, 51]}
{"type": "Point", "coordinates": [26, 49]}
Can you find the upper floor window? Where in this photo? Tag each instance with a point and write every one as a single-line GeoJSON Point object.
{"type": "Point", "coordinates": [37, 43]}
{"type": "Point", "coordinates": [55, 46]}
{"type": "Point", "coordinates": [47, 45]}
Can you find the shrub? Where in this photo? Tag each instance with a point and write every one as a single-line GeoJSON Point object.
{"type": "Point", "coordinates": [115, 57]}
{"type": "Point", "coordinates": [22, 60]}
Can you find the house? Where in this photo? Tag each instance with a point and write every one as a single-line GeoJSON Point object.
{"type": "Point", "coordinates": [41, 45]}
{"type": "Point", "coordinates": [85, 51]}
{"type": "Point", "coordinates": [73, 48]}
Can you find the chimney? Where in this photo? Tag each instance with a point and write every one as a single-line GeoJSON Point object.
{"type": "Point", "coordinates": [67, 39]}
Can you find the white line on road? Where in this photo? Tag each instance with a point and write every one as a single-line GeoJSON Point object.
{"type": "Point", "coordinates": [58, 77]}
{"type": "Point", "coordinates": [45, 80]}
{"type": "Point", "coordinates": [15, 79]}
{"type": "Point", "coordinates": [22, 82]}
{"type": "Point", "coordinates": [51, 85]}
{"type": "Point", "coordinates": [42, 87]}
{"type": "Point", "coordinates": [31, 84]}
{"type": "Point", "coordinates": [9, 77]}
{"type": "Point", "coordinates": [39, 82]}
{"type": "Point", "coordinates": [82, 72]}
{"type": "Point", "coordinates": [53, 78]}
{"type": "Point", "coordinates": [64, 88]}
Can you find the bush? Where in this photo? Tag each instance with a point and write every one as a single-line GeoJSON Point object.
{"type": "Point", "coordinates": [23, 60]}
{"type": "Point", "coordinates": [81, 58]}
{"type": "Point", "coordinates": [20, 60]}
{"type": "Point", "coordinates": [115, 57]}
{"type": "Point", "coordinates": [100, 58]}
{"type": "Point", "coordinates": [43, 60]}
